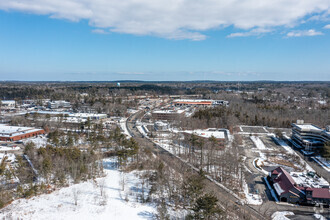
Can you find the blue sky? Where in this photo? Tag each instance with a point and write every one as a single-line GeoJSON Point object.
{"type": "Point", "coordinates": [42, 45]}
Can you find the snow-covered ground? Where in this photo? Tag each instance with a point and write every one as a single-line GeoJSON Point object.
{"type": "Point", "coordinates": [258, 143]}
{"type": "Point", "coordinates": [281, 215]}
{"type": "Point", "coordinates": [39, 141]}
{"type": "Point", "coordinates": [253, 199]}
{"type": "Point", "coordinates": [291, 151]}
{"type": "Point", "coordinates": [318, 216]}
{"type": "Point", "coordinates": [5, 148]}
{"type": "Point", "coordinates": [142, 130]}
{"type": "Point", "coordinates": [10, 157]}
{"type": "Point", "coordinates": [284, 145]}
{"type": "Point", "coordinates": [322, 162]}
{"type": "Point", "coordinates": [123, 127]}
{"type": "Point", "coordinates": [115, 204]}
{"type": "Point", "coordinates": [132, 111]}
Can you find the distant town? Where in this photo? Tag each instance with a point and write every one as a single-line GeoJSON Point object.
{"type": "Point", "coordinates": [250, 150]}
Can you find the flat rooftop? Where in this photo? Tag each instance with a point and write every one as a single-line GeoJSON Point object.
{"type": "Point", "coordinates": [11, 131]}
{"type": "Point", "coordinates": [168, 111]}
{"type": "Point", "coordinates": [207, 133]}
{"type": "Point", "coordinates": [307, 127]}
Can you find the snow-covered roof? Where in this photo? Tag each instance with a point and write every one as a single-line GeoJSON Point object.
{"type": "Point", "coordinates": [207, 133]}
{"type": "Point", "coordinates": [10, 131]}
{"type": "Point", "coordinates": [168, 111]}
{"type": "Point", "coordinates": [308, 127]}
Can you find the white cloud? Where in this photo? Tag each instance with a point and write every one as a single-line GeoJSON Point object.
{"type": "Point", "coordinates": [302, 33]}
{"type": "Point", "coordinates": [253, 32]}
{"type": "Point", "coordinates": [99, 31]}
{"type": "Point", "coordinates": [327, 26]}
{"type": "Point", "coordinates": [175, 19]}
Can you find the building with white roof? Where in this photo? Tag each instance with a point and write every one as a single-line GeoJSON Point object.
{"type": "Point", "coordinates": [199, 102]}
{"type": "Point", "coordinates": [15, 133]}
{"type": "Point", "coordinates": [8, 103]}
{"type": "Point", "coordinates": [168, 114]}
{"type": "Point", "coordinates": [309, 136]}
{"type": "Point", "coordinates": [59, 104]}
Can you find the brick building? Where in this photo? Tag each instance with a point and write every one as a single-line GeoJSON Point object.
{"type": "Point", "coordinates": [15, 133]}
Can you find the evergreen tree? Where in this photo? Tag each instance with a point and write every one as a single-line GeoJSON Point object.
{"type": "Point", "coordinates": [206, 208]}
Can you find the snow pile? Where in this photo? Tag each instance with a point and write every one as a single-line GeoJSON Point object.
{"type": "Point", "coordinates": [113, 204]}
{"type": "Point", "coordinates": [39, 141]}
{"type": "Point", "coordinates": [281, 215]}
{"type": "Point", "coordinates": [258, 143]}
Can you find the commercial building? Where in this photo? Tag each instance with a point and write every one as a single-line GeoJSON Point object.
{"type": "Point", "coordinates": [199, 102]}
{"type": "Point", "coordinates": [71, 117]}
{"type": "Point", "coordinates": [289, 191]}
{"type": "Point", "coordinates": [91, 116]}
{"type": "Point", "coordinates": [59, 104]}
{"type": "Point", "coordinates": [167, 115]}
{"type": "Point", "coordinates": [309, 136]}
{"type": "Point", "coordinates": [8, 103]}
{"type": "Point", "coordinates": [15, 133]}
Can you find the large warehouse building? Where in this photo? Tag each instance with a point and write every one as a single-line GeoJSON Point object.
{"type": "Point", "coordinates": [15, 133]}
{"type": "Point", "coordinates": [199, 102]}
{"type": "Point", "coordinates": [167, 115]}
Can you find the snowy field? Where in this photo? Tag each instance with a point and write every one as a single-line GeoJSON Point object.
{"type": "Point", "coordinates": [282, 215]}
{"type": "Point", "coordinates": [39, 141]}
{"type": "Point", "coordinates": [114, 204]}
{"type": "Point", "coordinates": [258, 143]}
{"type": "Point", "coordinates": [123, 127]}
{"type": "Point", "coordinates": [10, 157]}
{"type": "Point", "coordinates": [4, 148]}
{"type": "Point", "coordinates": [250, 198]}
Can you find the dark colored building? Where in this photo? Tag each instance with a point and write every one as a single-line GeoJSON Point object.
{"type": "Point", "coordinates": [289, 191]}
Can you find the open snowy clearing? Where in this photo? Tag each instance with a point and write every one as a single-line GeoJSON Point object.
{"type": "Point", "coordinates": [253, 199]}
{"type": "Point", "coordinates": [115, 204]}
{"type": "Point", "coordinates": [39, 141]}
{"type": "Point", "coordinates": [281, 215]}
{"type": "Point", "coordinates": [258, 143]}
{"type": "Point", "coordinates": [123, 127]}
